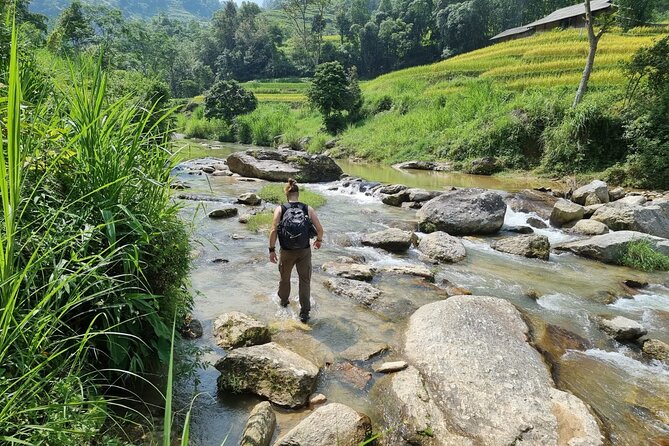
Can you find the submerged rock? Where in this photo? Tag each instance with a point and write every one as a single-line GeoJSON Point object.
{"type": "Point", "coordinates": [361, 292]}
{"type": "Point", "coordinates": [393, 240]}
{"type": "Point", "coordinates": [474, 379]}
{"type": "Point", "coordinates": [329, 425]}
{"type": "Point", "coordinates": [270, 371]}
{"type": "Point", "coordinates": [347, 372]}
{"type": "Point", "coordinates": [364, 351]}
{"type": "Point", "coordinates": [463, 212]}
{"type": "Point", "coordinates": [610, 248]}
{"type": "Point", "coordinates": [235, 329]}
{"type": "Point", "coordinates": [416, 165]}
{"type": "Point", "coordinates": [441, 247]}
{"type": "Point", "coordinates": [410, 270]}
{"type": "Point", "coordinates": [531, 246]}
{"type": "Point", "coordinates": [348, 270]}
{"type": "Point", "coordinates": [279, 165]}
{"type": "Point", "coordinates": [260, 426]}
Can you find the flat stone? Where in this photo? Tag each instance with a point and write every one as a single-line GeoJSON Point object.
{"type": "Point", "coordinates": [364, 351]}
{"type": "Point", "coordinates": [589, 227]}
{"type": "Point", "coordinates": [354, 271]}
{"type": "Point", "coordinates": [361, 292]}
{"type": "Point", "coordinates": [352, 374]}
{"type": "Point", "coordinates": [390, 367]}
{"type": "Point", "coordinates": [279, 165]}
{"type": "Point", "coordinates": [260, 426]}
{"type": "Point", "coordinates": [410, 270]}
{"type": "Point", "coordinates": [610, 248]}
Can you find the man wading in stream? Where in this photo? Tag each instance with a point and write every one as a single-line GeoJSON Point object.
{"type": "Point", "coordinates": [295, 224]}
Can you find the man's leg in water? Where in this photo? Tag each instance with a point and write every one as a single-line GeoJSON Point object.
{"type": "Point", "coordinates": [287, 259]}
{"type": "Point", "coordinates": [303, 264]}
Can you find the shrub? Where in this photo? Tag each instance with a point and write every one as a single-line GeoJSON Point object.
{"type": "Point", "coordinates": [228, 99]}
{"type": "Point", "coordinates": [641, 255]}
{"type": "Point", "coordinates": [274, 194]}
{"type": "Point", "coordinates": [264, 124]}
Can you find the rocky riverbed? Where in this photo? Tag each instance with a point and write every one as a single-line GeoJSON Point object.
{"type": "Point", "coordinates": [439, 317]}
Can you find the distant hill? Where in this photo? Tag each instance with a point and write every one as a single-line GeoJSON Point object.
{"type": "Point", "coordinates": [183, 9]}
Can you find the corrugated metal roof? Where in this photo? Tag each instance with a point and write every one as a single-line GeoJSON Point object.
{"type": "Point", "coordinates": [512, 31]}
{"type": "Point", "coordinates": [572, 11]}
{"type": "Point", "coordinates": [556, 16]}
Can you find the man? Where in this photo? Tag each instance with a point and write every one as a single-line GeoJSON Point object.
{"type": "Point", "coordinates": [294, 224]}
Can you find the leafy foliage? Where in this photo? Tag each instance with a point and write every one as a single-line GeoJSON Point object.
{"type": "Point", "coordinates": [641, 255]}
{"type": "Point", "coordinates": [228, 99]}
{"type": "Point", "coordinates": [274, 194]}
{"type": "Point", "coordinates": [334, 91]}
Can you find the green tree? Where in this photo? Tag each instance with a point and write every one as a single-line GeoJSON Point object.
{"type": "Point", "coordinates": [333, 92]}
{"type": "Point", "coordinates": [74, 30]}
{"type": "Point", "coordinates": [227, 99]}
{"type": "Point", "coordinates": [633, 13]}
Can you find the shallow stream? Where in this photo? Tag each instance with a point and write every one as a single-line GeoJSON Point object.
{"type": "Point", "coordinates": [629, 394]}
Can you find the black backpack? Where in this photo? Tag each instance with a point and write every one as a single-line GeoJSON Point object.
{"type": "Point", "coordinates": [295, 228]}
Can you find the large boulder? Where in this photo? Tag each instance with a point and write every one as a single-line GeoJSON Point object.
{"type": "Point", "coordinates": [270, 371]}
{"type": "Point", "coordinates": [589, 227]}
{"type": "Point", "coordinates": [593, 193]}
{"type": "Point", "coordinates": [235, 329]}
{"type": "Point", "coordinates": [393, 240]}
{"type": "Point", "coordinates": [329, 425]}
{"type": "Point", "coordinates": [474, 379]}
{"type": "Point", "coordinates": [260, 426]}
{"type": "Point", "coordinates": [442, 248]}
{"type": "Point", "coordinates": [361, 292]}
{"type": "Point", "coordinates": [611, 247]}
{"type": "Point", "coordinates": [531, 246]}
{"type": "Point", "coordinates": [564, 211]}
{"type": "Point", "coordinates": [279, 165]}
{"type": "Point", "coordinates": [348, 270]}
{"type": "Point", "coordinates": [651, 218]}
{"type": "Point", "coordinates": [463, 212]}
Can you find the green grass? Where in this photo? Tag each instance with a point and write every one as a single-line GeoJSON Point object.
{"type": "Point", "coordinates": [260, 221]}
{"type": "Point", "coordinates": [641, 255]}
{"type": "Point", "coordinates": [274, 194]}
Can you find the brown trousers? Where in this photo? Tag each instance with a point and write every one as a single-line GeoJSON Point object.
{"type": "Point", "coordinates": [301, 259]}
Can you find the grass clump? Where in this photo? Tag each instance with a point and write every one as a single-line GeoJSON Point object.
{"type": "Point", "coordinates": [260, 221]}
{"type": "Point", "coordinates": [641, 255]}
{"type": "Point", "coordinates": [274, 194]}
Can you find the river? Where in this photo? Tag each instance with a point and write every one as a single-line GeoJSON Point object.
{"type": "Point", "coordinates": [628, 394]}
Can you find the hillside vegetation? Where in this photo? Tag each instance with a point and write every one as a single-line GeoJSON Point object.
{"type": "Point", "coordinates": [178, 9]}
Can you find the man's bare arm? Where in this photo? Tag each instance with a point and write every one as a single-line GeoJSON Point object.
{"type": "Point", "coordinates": [317, 223]}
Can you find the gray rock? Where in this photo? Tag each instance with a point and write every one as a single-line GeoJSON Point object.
{"type": "Point", "coordinates": [330, 144]}
{"type": "Point", "coordinates": [463, 212]}
{"type": "Point", "coordinates": [589, 227]}
{"type": "Point", "coordinates": [589, 211]}
{"type": "Point", "coordinates": [410, 270]}
{"type": "Point", "coordinates": [536, 223]}
{"type": "Point", "coordinates": [260, 426]}
{"type": "Point", "coordinates": [621, 328]}
{"type": "Point", "coordinates": [657, 349]}
{"type": "Point", "coordinates": [519, 229]}
{"type": "Point", "coordinates": [360, 292]}
{"type": "Point", "coordinates": [651, 218]}
{"type": "Point", "coordinates": [393, 240]}
{"type": "Point", "coordinates": [474, 379]}
{"type": "Point", "coordinates": [616, 194]}
{"type": "Point", "coordinates": [421, 195]}
{"type": "Point", "coordinates": [223, 213]}
{"type": "Point", "coordinates": [483, 166]}
{"type": "Point", "coordinates": [279, 165]}
{"type": "Point", "coordinates": [364, 351]}
{"type": "Point", "coordinates": [441, 247]}
{"type": "Point", "coordinates": [250, 199]}
{"type": "Point", "coordinates": [392, 189]}
{"type": "Point", "coordinates": [270, 371]}
{"type": "Point", "coordinates": [531, 246]}
{"type": "Point", "coordinates": [416, 165]}
{"type": "Point", "coordinates": [390, 367]}
{"type": "Point", "coordinates": [347, 270]}
{"type": "Point", "coordinates": [329, 425]}
{"type": "Point", "coordinates": [593, 193]}
{"type": "Point", "coordinates": [565, 212]}
{"type": "Point", "coordinates": [632, 200]}
{"type": "Point", "coordinates": [609, 248]}
{"type": "Point", "coordinates": [396, 199]}
{"type": "Point", "coordinates": [235, 329]}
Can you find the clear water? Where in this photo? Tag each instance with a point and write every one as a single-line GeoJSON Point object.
{"type": "Point", "coordinates": [629, 394]}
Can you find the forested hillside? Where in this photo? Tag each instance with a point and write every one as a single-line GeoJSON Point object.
{"type": "Point", "coordinates": [182, 9]}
